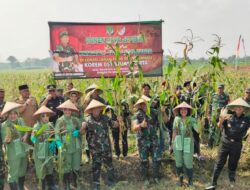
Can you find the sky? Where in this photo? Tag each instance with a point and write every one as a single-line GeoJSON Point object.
{"type": "Point", "coordinates": [24, 30]}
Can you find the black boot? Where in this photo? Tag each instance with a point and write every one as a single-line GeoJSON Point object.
{"type": "Point", "coordinates": [13, 186]}
{"type": "Point", "coordinates": [144, 171]}
{"type": "Point", "coordinates": [43, 184]}
{"type": "Point", "coordinates": [111, 178]}
{"type": "Point", "coordinates": [156, 169]}
{"type": "Point", "coordinates": [190, 176]}
{"type": "Point", "coordinates": [74, 179]}
{"type": "Point", "coordinates": [179, 171]}
{"type": "Point", "coordinates": [215, 177]}
{"type": "Point", "coordinates": [96, 186]}
{"type": "Point", "coordinates": [21, 182]}
{"type": "Point", "coordinates": [66, 181]}
{"type": "Point", "coordinates": [50, 182]}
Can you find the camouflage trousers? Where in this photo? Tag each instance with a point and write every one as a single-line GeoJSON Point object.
{"type": "Point", "coordinates": [97, 160]}
{"type": "Point", "coordinates": [144, 153]}
{"type": "Point", "coordinates": [1, 171]}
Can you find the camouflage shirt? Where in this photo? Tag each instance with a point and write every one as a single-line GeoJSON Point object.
{"type": "Point", "coordinates": [147, 135]}
{"type": "Point", "coordinates": [218, 102]}
{"type": "Point", "coordinates": [98, 134]}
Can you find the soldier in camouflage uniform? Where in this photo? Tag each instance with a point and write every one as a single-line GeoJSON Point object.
{"type": "Point", "coordinates": [219, 100]}
{"type": "Point", "coordinates": [92, 92]}
{"type": "Point", "coordinates": [65, 55]}
{"type": "Point", "coordinates": [97, 127]}
{"type": "Point", "coordinates": [41, 138]}
{"type": "Point", "coordinates": [13, 139]}
{"type": "Point", "coordinates": [147, 139]}
{"type": "Point", "coordinates": [1, 163]}
{"type": "Point", "coordinates": [68, 140]}
{"type": "Point", "coordinates": [2, 103]}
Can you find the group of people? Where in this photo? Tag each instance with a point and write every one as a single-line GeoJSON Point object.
{"type": "Point", "coordinates": [57, 128]}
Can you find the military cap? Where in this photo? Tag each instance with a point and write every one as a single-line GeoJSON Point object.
{"type": "Point", "coordinates": [23, 87]}
{"type": "Point", "coordinates": [63, 33]}
{"type": "Point", "coordinates": [247, 90]}
{"type": "Point", "coordinates": [51, 87]}
{"type": "Point", "coordinates": [221, 86]}
{"type": "Point", "coordinates": [178, 87]}
{"type": "Point", "coordinates": [2, 90]}
{"type": "Point", "coordinates": [59, 90]}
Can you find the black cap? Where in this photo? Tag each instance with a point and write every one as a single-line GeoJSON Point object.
{"type": "Point", "coordinates": [51, 87]}
{"type": "Point", "coordinates": [23, 87]}
{"type": "Point", "coordinates": [186, 83]}
{"type": "Point", "coordinates": [2, 90]}
{"type": "Point", "coordinates": [247, 90]}
{"type": "Point", "coordinates": [146, 84]}
{"type": "Point", "coordinates": [178, 87]}
{"type": "Point", "coordinates": [59, 89]}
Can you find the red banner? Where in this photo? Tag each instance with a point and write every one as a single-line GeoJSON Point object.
{"type": "Point", "coordinates": [84, 50]}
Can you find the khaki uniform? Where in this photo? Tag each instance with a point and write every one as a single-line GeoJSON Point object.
{"type": "Point", "coordinates": [30, 109]}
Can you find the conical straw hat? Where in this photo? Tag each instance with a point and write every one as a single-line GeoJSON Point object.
{"type": "Point", "coordinates": [182, 105]}
{"type": "Point", "coordinates": [73, 90]}
{"type": "Point", "coordinates": [43, 110]}
{"type": "Point", "coordinates": [238, 102]}
{"type": "Point", "coordinates": [140, 101]}
{"type": "Point", "coordinates": [68, 105]}
{"type": "Point", "coordinates": [9, 106]}
{"type": "Point", "coordinates": [94, 104]}
{"type": "Point", "coordinates": [92, 87]}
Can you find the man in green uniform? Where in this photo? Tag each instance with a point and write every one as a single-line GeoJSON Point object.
{"type": "Point", "coordinates": [147, 140]}
{"type": "Point", "coordinates": [219, 100]}
{"type": "Point", "coordinates": [65, 55]}
{"type": "Point", "coordinates": [97, 127]}
{"type": "Point", "coordinates": [13, 139]}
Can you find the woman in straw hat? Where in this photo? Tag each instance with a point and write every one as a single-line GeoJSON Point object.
{"type": "Point", "coordinates": [15, 148]}
{"type": "Point", "coordinates": [42, 133]}
{"type": "Point", "coordinates": [147, 141]}
{"type": "Point", "coordinates": [183, 142]}
{"type": "Point", "coordinates": [234, 127]}
{"type": "Point", "coordinates": [68, 139]}
{"type": "Point", "coordinates": [97, 127]}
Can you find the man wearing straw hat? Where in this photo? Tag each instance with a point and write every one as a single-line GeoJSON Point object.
{"type": "Point", "coordinates": [97, 127]}
{"type": "Point", "coordinates": [234, 127]}
{"type": "Point", "coordinates": [12, 133]}
{"type": "Point", "coordinates": [93, 92]}
{"type": "Point", "coordinates": [144, 124]}
{"type": "Point", "coordinates": [42, 133]}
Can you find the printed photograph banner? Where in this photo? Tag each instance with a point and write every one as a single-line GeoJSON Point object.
{"type": "Point", "coordinates": [83, 50]}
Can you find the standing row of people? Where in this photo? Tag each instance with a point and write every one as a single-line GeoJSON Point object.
{"type": "Point", "coordinates": [58, 127]}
